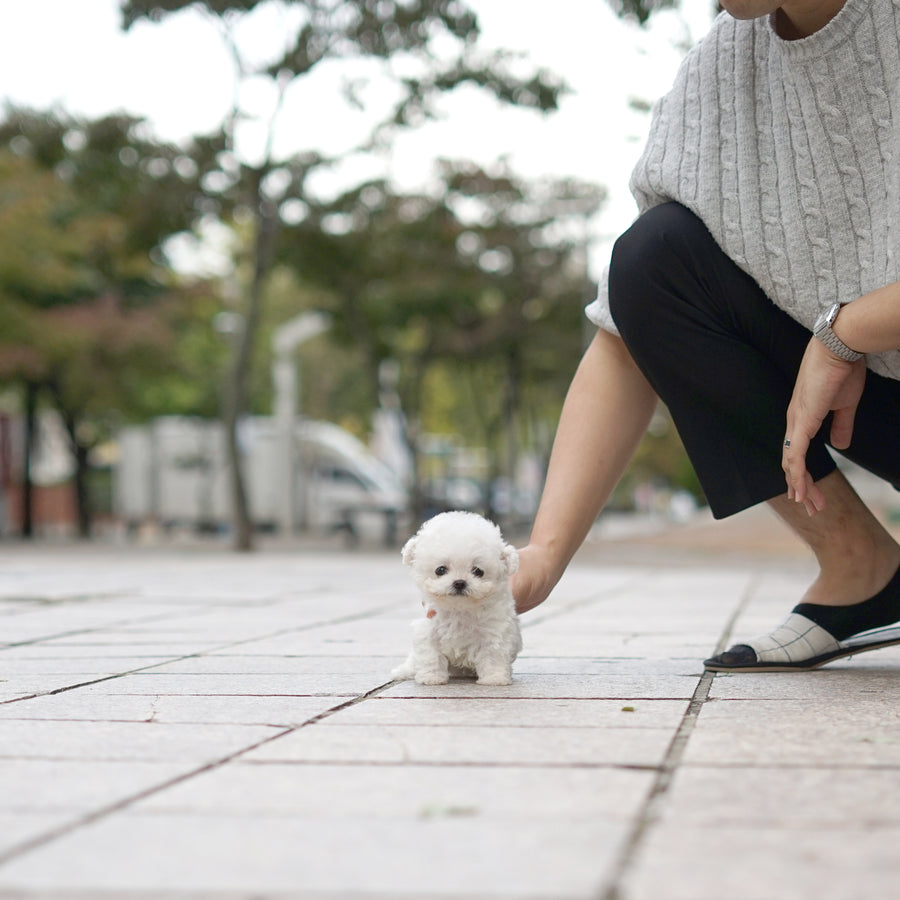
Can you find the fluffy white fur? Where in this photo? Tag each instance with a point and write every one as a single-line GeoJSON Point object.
{"type": "Point", "coordinates": [462, 566]}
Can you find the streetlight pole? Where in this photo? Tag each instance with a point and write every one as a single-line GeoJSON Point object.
{"type": "Point", "coordinates": [286, 384]}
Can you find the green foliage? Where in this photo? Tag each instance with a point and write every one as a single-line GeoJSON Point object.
{"type": "Point", "coordinates": [156, 10]}
{"type": "Point", "coordinates": [39, 253]}
{"type": "Point", "coordinates": [477, 288]}
{"type": "Point", "coordinates": [640, 10]}
{"type": "Point", "coordinates": [374, 23]}
{"type": "Point", "coordinates": [125, 194]}
{"type": "Point", "coordinates": [423, 48]}
{"type": "Point", "coordinates": [477, 291]}
{"type": "Point", "coordinates": [90, 314]}
{"type": "Point", "coordinates": [186, 375]}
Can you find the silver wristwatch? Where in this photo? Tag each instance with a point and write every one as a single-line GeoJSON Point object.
{"type": "Point", "coordinates": [822, 330]}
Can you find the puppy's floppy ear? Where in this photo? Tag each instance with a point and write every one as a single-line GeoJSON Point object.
{"type": "Point", "coordinates": [510, 558]}
{"type": "Point", "coordinates": [408, 552]}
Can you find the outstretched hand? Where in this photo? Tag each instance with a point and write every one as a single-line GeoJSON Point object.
{"type": "Point", "coordinates": [532, 583]}
{"type": "Point", "coordinates": [825, 383]}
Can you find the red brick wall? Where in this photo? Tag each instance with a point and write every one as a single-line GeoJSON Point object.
{"type": "Point", "coordinates": [53, 508]}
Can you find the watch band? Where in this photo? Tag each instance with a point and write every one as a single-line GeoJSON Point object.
{"type": "Point", "coordinates": [826, 335]}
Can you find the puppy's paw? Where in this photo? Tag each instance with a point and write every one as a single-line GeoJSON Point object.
{"type": "Point", "coordinates": [432, 678]}
{"type": "Point", "coordinates": [406, 669]}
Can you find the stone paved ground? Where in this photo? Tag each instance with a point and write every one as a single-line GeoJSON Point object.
{"type": "Point", "coordinates": [193, 724]}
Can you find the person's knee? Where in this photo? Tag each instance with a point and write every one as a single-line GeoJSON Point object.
{"type": "Point", "coordinates": [640, 260]}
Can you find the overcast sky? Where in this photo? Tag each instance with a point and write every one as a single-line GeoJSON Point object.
{"type": "Point", "coordinates": [71, 54]}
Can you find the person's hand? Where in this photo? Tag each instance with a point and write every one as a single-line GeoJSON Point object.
{"type": "Point", "coordinates": [825, 383]}
{"type": "Point", "coordinates": [532, 583]}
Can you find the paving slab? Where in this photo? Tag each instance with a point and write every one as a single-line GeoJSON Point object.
{"type": "Point", "coordinates": [192, 743]}
{"type": "Point", "coordinates": [80, 785]}
{"type": "Point", "coordinates": [161, 853]}
{"type": "Point", "coordinates": [339, 791]}
{"type": "Point", "coordinates": [687, 863]}
{"type": "Point", "coordinates": [187, 723]}
{"type": "Point", "coordinates": [471, 745]}
{"type": "Point", "coordinates": [869, 675]}
{"type": "Point", "coordinates": [19, 826]}
{"type": "Point", "coordinates": [234, 663]}
{"type": "Point", "coordinates": [798, 732]}
{"type": "Point", "coordinates": [646, 685]}
{"type": "Point", "coordinates": [815, 797]}
{"type": "Point", "coordinates": [564, 713]}
{"type": "Point", "coordinates": [284, 684]}
{"type": "Point", "coordinates": [174, 709]}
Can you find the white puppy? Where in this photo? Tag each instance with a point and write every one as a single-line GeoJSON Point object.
{"type": "Point", "coordinates": [462, 566]}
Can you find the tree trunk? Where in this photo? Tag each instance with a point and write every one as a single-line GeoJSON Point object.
{"type": "Point", "coordinates": [236, 393]}
{"type": "Point", "coordinates": [412, 407]}
{"type": "Point", "coordinates": [83, 508]}
{"type": "Point", "coordinates": [83, 511]}
{"type": "Point", "coordinates": [511, 409]}
{"type": "Point", "coordinates": [243, 528]}
{"type": "Point", "coordinates": [31, 392]}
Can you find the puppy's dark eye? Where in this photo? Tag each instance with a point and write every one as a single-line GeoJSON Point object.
{"type": "Point", "coordinates": [478, 573]}
{"type": "Point", "coordinates": [440, 570]}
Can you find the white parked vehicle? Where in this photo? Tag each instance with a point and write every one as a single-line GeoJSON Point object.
{"type": "Point", "coordinates": [175, 471]}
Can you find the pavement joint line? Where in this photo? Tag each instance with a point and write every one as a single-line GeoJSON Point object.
{"type": "Point", "coordinates": [96, 815]}
{"type": "Point", "coordinates": [99, 629]}
{"type": "Point", "coordinates": [198, 655]}
{"type": "Point", "coordinates": [554, 699]}
{"type": "Point", "coordinates": [374, 692]}
{"type": "Point", "coordinates": [650, 811]}
{"type": "Point", "coordinates": [727, 631]}
{"type": "Point", "coordinates": [79, 631]}
{"type": "Point", "coordinates": [444, 764]}
{"type": "Point", "coordinates": [62, 598]}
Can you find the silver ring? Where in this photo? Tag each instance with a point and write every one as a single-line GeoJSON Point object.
{"type": "Point", "coordinates": [787, 442]}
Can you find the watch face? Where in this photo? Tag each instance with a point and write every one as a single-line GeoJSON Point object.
{"type": "Point", "coordinates": [826, 318]}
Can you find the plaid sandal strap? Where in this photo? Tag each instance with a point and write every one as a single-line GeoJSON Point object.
{"type": "Point", "coordinates": [797, 639]}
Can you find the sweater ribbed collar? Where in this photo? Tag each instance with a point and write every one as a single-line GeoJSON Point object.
{"type": "Point", "coordinates": [838, 30]}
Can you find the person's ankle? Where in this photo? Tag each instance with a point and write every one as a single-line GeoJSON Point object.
{"type": "Point", "coordinates": [853, 575]}
{"type": "Point", "coordinates": [852, 579]}
{"type": "Point", "coordinates": [842, 621]}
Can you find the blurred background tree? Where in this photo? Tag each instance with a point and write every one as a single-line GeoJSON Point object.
{"type": "Point", "coordinates": [409, 40]}
{"type": "Point", "coordinates": [476, 290]}
{"type": "Point", "coordinates": [474, 286]}
{"type": "Point", "coordinates": [640, 10]}
{"type": "Point", "coordinates": [89, 302]}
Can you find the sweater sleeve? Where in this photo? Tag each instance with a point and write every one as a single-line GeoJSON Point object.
{"type": "Point", "coordinates": [675, 116]}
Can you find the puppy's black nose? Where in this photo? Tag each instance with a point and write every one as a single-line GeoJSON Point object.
{"type": "Point", "coordinates": [459, 586]}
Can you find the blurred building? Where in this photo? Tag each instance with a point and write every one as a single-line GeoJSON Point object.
{"type": "Point", "coordinates": [52, 467]}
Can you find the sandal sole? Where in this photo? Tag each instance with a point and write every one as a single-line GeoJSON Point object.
{"type": "Point", "coordinates": [862, 643]}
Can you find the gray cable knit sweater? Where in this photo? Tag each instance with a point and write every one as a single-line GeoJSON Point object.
{"type": "Point", "coordinates": [789, 152]}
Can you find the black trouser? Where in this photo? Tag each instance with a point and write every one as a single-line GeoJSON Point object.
{"type": "Point", "coordinates": [724, 359]}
